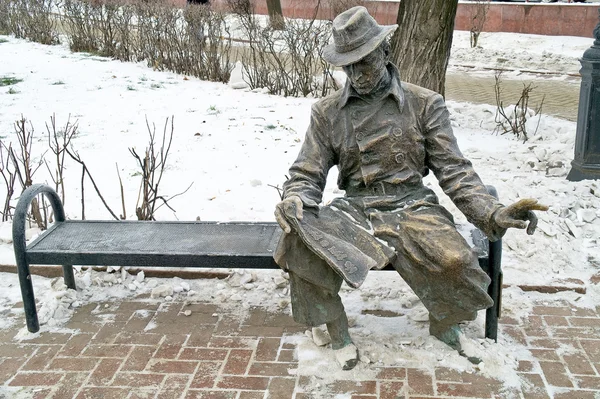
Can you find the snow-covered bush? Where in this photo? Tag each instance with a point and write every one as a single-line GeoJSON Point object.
{"type": "Point", "coordinates": [194, 41]}
{"type": "Point", "coordinates": [287, 61]}
{"type": "Point", "coordinates": [104, 28]}
{"type": "Point", "coordinates": [516, 119]}
{"type": "Point", "coordinates": [29, 19]}
{"type": "Point", "coordinates": [4, 17]}
{"type": "Point", "coordinates": [79, 25]}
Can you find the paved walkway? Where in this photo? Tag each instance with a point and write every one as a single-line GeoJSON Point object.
{"type": "Point", "coordinates": [561, 97]}
{"type": "Point", "coordinates": [146, 349]}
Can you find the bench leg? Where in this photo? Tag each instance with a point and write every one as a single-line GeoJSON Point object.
{"type": "Point", "coordinates": [69, 277]}
{"type": "Point", "coordinates": [495, 290]}
{"type": "Point", "coordinates": [33, 325]}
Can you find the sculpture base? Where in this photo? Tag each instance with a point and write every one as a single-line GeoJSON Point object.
{"type": "Point", "coordinates": [583, 172]}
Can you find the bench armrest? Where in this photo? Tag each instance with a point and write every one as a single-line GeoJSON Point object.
{"type": "Point", "coordinates": [20, 245]}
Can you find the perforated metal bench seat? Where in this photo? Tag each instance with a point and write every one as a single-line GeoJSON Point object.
{"type": "Point", "coordinates": [171, 244]}
{"type": "Point", "coordinates": [137, 243]}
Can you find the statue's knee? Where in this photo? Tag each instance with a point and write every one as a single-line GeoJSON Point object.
{"type": "Point", "coordinates": [457, 259]}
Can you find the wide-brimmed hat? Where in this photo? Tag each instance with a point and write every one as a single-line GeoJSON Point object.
{"type": "Point", "coordinates": [355, 35]}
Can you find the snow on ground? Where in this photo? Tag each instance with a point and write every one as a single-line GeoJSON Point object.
{"type": "Point", "coordinates": [233, 145]}
{"type": "Point", "coordinates": [518, 52]}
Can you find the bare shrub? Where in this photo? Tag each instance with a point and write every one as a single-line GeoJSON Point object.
{"type": "Point", "coordinates": [194, 41]}
{"type": "Point", "coordinates": [339, 6]}
{"type": "Point", "coordinates": [157, 24]}
{"type": "Point", "coordinates": [8, 172]}
{"type": "Point", "coordinates": [208, 39]}
{"type": "Point", "coordinates": [305, 41]}
{"type": "Point", "coordinates": [254, 58]}
{"type": "Point", "coordinates": [478, 14]}
{"type": "Point", "coordinates": [287, 61]}
{"type": "Point", "coordinates": [240, 8]}
{"type": "Point", "coordinates": [34, 20]}
{"type": "Point", "coordinates": [515, 120]}
{"type": "Point", "coordinates": [293, 58]}
{"type": "Point", "coordinates": [105, 28]}
{"type": "Point", "coordinates": [25, 166]}
{"type": "Point", "coordinates": [79, 23]}
{"type": "Point", "coordinates": [5, 26]}
{"type": "Point", "coordinates": [86, 172]}
{"type": "Point", "coordinates": [125, 34]}
{"type": "Point", "coordinates": [104, 22]}
{"type": "Point", "coordinates": [152, 167]}
{"type": "Point", "coordinates": [58, 142]}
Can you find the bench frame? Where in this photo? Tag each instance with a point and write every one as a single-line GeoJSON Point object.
{"type": "Point", "coordinates": [490, 261]}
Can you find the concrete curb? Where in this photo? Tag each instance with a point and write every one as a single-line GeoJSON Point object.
{"type": "Point", "coordinates": [52, 271]}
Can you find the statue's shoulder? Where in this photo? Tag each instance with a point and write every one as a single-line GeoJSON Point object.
{"type": "Point", "coordinates": [328, 106]}
{"type": "Point", "coordinates": [417, 92]}
{"type": "Point", "coordinates": [420, 97]}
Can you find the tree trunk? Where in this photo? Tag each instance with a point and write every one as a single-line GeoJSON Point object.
{"type": "Point", "coordinates": [275, 14]}
{"type": "Point", "coordinates": [421, 44]}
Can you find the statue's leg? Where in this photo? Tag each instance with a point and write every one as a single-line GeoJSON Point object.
{"type": "Point", "coordinates": [438, 264]}
{"type": "Point", "coordinates": [314, 288]}
{"type": "Point", "coordinates": [346, 352]}
{"type": "Point", "coordinates": [314, 302]}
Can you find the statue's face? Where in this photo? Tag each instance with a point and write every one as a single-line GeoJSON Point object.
{"type": "Point", "coordinates": [365, 74]}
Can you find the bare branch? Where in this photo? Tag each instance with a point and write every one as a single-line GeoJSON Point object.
{"type": "Point", "coordinates": [58, 141]}
{"type": "Point", "coordinates": [75, 156]}
{"type": "Point", "coordinates": [9, 179]}
{"type": "Point", "coordinates": [279, 190]}
{"type": "Point", "coordinates": [516, 120]}
{"type": "Point", "coordinates": [173, 197]}
{"type": "Point", "coordinates": [124, 215]}
{"type": "Point", "coordinates": [152, 168]}
{"type": "Point", "coordinates": [23, 164]}
{"type": "Point", "coordinates": [82, 192]}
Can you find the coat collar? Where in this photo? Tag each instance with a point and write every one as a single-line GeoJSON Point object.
{"type": "Point", "coordinates": [394, 89]}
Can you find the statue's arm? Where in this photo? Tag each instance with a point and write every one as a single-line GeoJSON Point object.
{"type": "Point", "coordinates": [454, 172]}
{"type": "Point", "coordinates": [308, 174]}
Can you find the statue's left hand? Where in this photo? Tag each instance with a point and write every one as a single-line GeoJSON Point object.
{"type": "Point", "coordinates": [518, 214]}
{"type": "Point", "coordinates": [289, 208]}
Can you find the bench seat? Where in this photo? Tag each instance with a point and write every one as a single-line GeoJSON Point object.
{"type": "Point", "coordinates": [142, 243]}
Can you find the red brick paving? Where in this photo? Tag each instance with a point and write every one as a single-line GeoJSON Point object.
{"type": "Point", "coordinates": [225, 357]}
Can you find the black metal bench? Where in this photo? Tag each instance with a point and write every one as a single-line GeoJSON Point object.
{"type": "Point", "coordinates": [177, 244]}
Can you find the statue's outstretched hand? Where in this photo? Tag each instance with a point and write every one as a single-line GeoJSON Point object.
{"type": "Point", "coordinates": [289, 208]}
{"type": "Point", "coordinates": [517, 215]}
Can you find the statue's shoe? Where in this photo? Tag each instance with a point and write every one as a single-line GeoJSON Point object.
{"type": "Point", "coordinates": [447, 333]}
{"type": "Point", "coordinates": [347, 357]}
{"type": "Point", "coordinates": [450, 336]}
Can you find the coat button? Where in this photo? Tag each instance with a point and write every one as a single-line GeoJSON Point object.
{"type": "Point", "coordinates": [397, 132]}
{"type": "Point", "coordinates": [360, 136]}
{"type": "Point", "coordinates": [399, 158]}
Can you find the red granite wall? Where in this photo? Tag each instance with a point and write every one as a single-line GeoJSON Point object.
{"type": "Point", "coordinates": [558, 19]}
{"type": "Point", "coordinates": [543, 19]}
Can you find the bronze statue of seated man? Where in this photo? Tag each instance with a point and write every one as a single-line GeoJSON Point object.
{"type": "Point", "coordinates": [384, 135]}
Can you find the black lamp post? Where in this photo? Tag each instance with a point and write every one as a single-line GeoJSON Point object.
{"type": "Point", "coordinates": [586, 163]}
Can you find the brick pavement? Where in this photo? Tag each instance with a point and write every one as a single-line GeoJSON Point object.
{"type": "Point", "coordinates": [145, 349]}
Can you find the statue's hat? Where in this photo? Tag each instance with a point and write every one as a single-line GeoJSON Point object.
{"type": "Point", "coordinates": [355, 35]}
